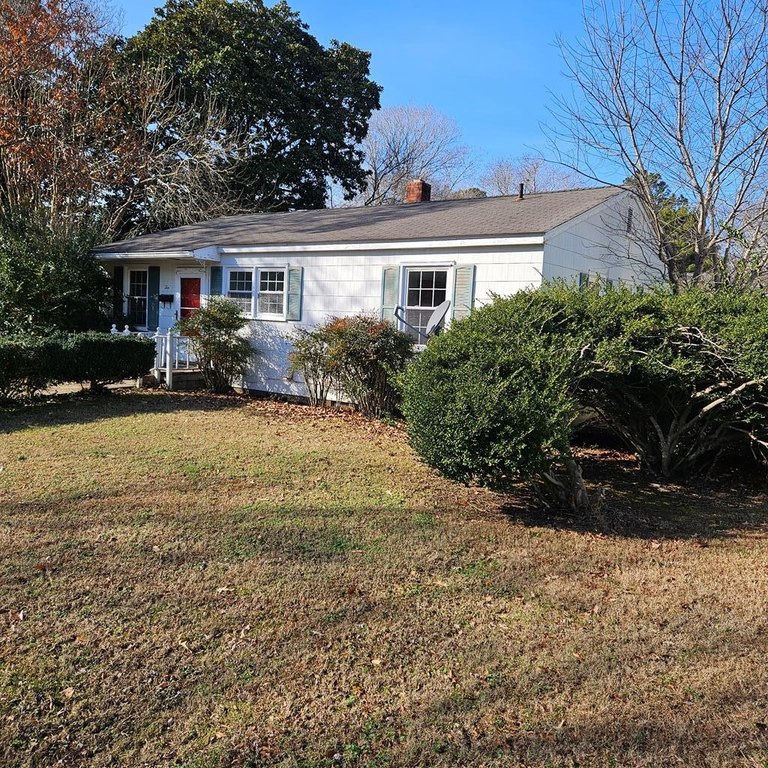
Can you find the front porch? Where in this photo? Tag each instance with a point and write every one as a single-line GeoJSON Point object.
{"type": "Point", "coordinates": [175, 365]}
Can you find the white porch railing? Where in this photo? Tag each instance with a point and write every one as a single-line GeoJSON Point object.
{"type": "Point", "coordinates": [173, 352]}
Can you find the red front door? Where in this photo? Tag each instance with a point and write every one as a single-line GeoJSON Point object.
{"type": "Point", "coordinates": [190, 296]}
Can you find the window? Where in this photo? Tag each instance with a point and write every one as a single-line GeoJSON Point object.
{"type": "Point", "coordinates": [426, 289]}
{"type": "Point", "coordinates": [240, 290]}
{"type": "Point", "coordinates": [271, 292]}
{"type": "Point", "coordinates": [137, 297]}
{"type": "Point", "coordinates": [260, 293]}
{"type": "Point", "coordinates": [583, 280]}
{"type": "Point", "coordinates": [630, 214]}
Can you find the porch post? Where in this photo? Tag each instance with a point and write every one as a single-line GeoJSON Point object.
{"type": "Point", "coordinates": [158, 364]}
{"type": "Point", "coordinates": [169, 352]}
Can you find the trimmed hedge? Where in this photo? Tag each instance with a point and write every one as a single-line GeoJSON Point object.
{"type": "Point", "coordinates": [29, 363]}
{"type": "Point", "coordinates": [681, 378]}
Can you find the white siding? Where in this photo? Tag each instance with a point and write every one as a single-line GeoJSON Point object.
{"type": "Point", "coordinates": [344, 283]}
{"type": "Point", "coordinates": [597, 243]}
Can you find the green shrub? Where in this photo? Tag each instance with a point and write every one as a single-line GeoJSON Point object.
{"type": "Point", "coordinates": [104, 358]}
{"type": "Point", "coordinates": [680, 377]}
{"type": "Point", "coordinates": [30, 363]}
{"type": "Point", "coordinates": [359, 356]}
{"type": "Point", "coordinates": [310, 357]}
{"type": "Point", "coordinates": [492, 401]}
{"type": "Point", "coordinates": [222, 352]}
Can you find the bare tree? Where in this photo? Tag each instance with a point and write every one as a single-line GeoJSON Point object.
{"type": "Point", "coordinates": [83, 136]}
{"type": "Point", "coordinates": [503, 177]}
{"type": "Point", "coordinates": [412, 142]}
{"type": "Point", "coordinates": [677, 88]}
{"type": "Point", "coordinates": [174, 166]}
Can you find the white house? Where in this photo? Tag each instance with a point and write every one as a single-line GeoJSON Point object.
{"type": "Point", "coordinates": [300, 268]}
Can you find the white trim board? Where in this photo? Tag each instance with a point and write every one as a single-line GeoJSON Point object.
{"type": "Point", "coordinates": [386, 246]}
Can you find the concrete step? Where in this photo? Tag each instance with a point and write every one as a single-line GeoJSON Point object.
{"type": "Point", "coordinates": [186, 379]}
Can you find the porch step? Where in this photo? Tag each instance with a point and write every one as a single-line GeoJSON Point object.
{"type": "Point", "coordinates": [185, 379]}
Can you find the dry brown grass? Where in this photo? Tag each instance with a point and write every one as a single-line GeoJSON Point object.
{"type": "Point", "coordinates": [199, 582]}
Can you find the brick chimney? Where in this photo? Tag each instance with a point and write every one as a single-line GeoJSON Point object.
{"type": "Point", "coordinates": [417, 191]}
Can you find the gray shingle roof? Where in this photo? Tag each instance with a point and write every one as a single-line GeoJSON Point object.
{"type": "Point", "coordinates": [445, 219]}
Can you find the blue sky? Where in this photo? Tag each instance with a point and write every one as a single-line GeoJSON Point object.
{"type": "Point", "coordinates": [488, 65]}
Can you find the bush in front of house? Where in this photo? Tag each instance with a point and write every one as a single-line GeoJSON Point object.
{"type": "Point", "coordinates": [359, 357]}
{"type": "Point", "coordinates": [104, 358]}
{"type": "Point", "coordinates": [310, 357]}
{"type": "Point", "coordinates": [222, 352]}
{"type": "Point", "coordinates": [492, 401]}
{"type": "Point", "coordinates": [29, 364]}
{"type": "Point", "coordinates": [681, 378]}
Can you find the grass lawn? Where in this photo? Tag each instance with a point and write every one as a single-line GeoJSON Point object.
{"type": "Point", "coordinates": [212, 582]}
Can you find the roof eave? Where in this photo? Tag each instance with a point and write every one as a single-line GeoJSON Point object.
{"type": "Point", "coordinates": [202, 255]}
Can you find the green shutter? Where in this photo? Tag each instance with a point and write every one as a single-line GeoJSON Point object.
{"type": "Point", "coordinates": [117, 292]}
{"type": "Point", "coordinates": [294, 294]}
{"type": "Point", "coordinates": [215, 281]}
{"type": "Point", "coordinates": [153, 304]}
{"type": "Point", "coordinates": [463, 290]}
{"type": "Point", "coordinates": [390, 292]}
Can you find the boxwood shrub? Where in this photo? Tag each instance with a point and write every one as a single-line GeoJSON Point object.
{"type": "Point", "coordinates": [681, 378]}
{"type": "Point", "coordinates": [104, 358]}
{"type": "Point", "coordinates": [29, 364]}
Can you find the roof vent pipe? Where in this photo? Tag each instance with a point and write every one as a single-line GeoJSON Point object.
{"type": "Point", "coordinates": [521, 193]}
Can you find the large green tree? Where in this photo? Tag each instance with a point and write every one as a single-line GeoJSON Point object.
{"type": "Point", "coordinates": [48, 278]}
{"type": "Point", "coordinates": [300, 109]}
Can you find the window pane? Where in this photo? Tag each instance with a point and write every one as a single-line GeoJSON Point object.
{"type": "Point", "coordinates": [418, 319]}
{"type": "Point", "coordinates": [138, 283]}
{"type": "Point", "coordinates": [271, 281]}
{"type": "Point", "coordinates": [270, 303]}
{"type": "Point", "coordinates": [242, 300]}
{"type": "Point", "coordinates": [426, 287]}
{"type": "Point", "coordinates": [241, 282]}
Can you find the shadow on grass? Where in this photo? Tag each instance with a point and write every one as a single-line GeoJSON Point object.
{"type": "Point", "coordinates": [83, 408]}
{"type": "Point", "coordinates": [639, 505]}
{"type": "Point", "coordinates": [661, 737]}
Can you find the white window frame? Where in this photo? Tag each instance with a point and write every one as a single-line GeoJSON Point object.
{"type": "Point", "coordinates": [258, 292]}
{"type": "Point", "coordinates": [127, 295]}
{"type": "Point", "coordinates": [226, 286]}
{"type": "Point", "coordinates": [255, 273]}
{"type": "Point", "coordinates": [450, 278]}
